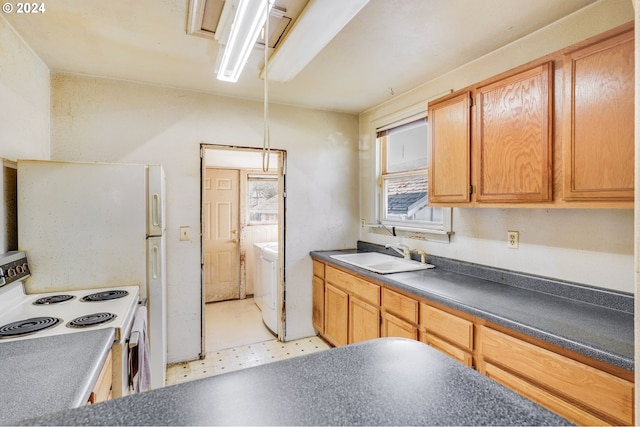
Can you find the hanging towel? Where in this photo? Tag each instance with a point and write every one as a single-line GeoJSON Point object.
{"type": "Point", "coordinates": [139, 363]}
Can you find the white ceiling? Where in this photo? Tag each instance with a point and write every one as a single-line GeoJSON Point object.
{"type": "Point", "coordinates": [390, 46]}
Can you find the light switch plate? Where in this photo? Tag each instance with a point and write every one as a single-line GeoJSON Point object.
{"type": "Point", "coordinates": [184, 233]}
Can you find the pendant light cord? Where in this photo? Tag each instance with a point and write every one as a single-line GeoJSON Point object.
{"type": "Point", "coordinates": [266, 143]}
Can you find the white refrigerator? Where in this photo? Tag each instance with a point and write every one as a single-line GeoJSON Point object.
{"type": "Point", "coordinates": [96, 225]}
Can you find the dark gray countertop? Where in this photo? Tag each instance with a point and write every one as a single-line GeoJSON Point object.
{"type": "Point", "coordinates": [388, 381]}
{"type": "Point", "coordinates": [596, 331]}
{"type": "Point", "coordinates": [43, 375]}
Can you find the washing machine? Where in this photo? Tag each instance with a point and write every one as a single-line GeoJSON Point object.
{"type": "Point", "coordinates": [265, 285]}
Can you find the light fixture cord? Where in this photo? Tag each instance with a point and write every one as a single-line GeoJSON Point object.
{"type": "Point", "coordinates": [266, 143]}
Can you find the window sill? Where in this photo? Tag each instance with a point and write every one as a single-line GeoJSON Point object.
{"type": "Point", "coordinates": [441, 236]}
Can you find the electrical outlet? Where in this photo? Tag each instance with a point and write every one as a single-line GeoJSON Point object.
{"type": "Point", "coordinates": [513, 239]}
{"type": "Point", "coordinates": [184, 233]}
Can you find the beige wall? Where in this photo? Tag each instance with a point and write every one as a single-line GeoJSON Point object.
{"type": "Point", "coordinates": [593, 247]}
{"type": "Point", "coordinates": [24, 99]}
{"type": "Point", "coordinates": [112, 121]}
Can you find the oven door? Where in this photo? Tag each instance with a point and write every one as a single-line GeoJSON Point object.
{"type": "Point", "coordinates": [138, 365]}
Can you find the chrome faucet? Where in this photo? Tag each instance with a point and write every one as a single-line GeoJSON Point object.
{"type": "Point", "coordinates": [405, 252]}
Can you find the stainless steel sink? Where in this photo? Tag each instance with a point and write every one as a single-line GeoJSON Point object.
{"type": "Point", "coordinates": [381, 263]}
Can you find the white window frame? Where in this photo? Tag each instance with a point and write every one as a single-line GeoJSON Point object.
{"type": "Point", "coordinates": [431, 231]}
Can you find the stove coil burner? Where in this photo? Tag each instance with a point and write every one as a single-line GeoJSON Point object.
{"type": "Point", "coordinates": [53, 299]}
{"type": "Point", "coordinates": [27, 326]}
{"type": "Point", "coordinates": [91, 320]}
{"type": "Point", "coordinates": [104, 296]}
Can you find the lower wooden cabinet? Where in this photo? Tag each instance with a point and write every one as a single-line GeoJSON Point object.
{"type": "Point", "coordinates": [102, 390]}
{"type": "Point", "coordinates": [447, 332]}
{"type": "Point", "coordinates": [364, 320]}
{"type": "Point", "coordinates": [317, 317]}
{"type": "Point", "coordinates": [336, 315]}
{"type": "Point", "coordinates": [587, 392]}
{"type": "Point", "coordinates": [352, 308]}
{"type": "Point", "coordinates": [399, 315]}
{"type": "Point", "coordinates": [581, 393]}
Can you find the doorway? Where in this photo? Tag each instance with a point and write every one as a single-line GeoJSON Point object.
{"type": "Point", "coordinates": [242, 211]}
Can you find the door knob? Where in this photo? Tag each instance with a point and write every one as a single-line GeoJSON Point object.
{"type": "Point", "coordinates": [234, 231]}
{"type": "Point", "coordinates": [234, 240]}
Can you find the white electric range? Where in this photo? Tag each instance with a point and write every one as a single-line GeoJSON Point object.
{"type": "Point", "coordinates": [28, 316]}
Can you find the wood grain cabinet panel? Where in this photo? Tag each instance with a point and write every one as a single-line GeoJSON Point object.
{"type": "Point", "coordinates": [599, 393]}
{"type": "Point", "coordinates": [364, 321]}
{"type": "Point", "coordinates": [352, 308]}
{"type": "Point", "coordinates": [400, 305]}
{"type": "Point", "coordinates": [102, 391]}
{"type": "Point", "coordinates": [317, 316]}
{"type": "Point", "coordinates": [449, 169]}
{"type": "Point", "coordinates": [393, 326]}
{"type": "Point", "coordinates": [598, 121]}
{"type": "Point", "coordinates": [336, 317]}
{"type": "Point", "coordinates": [447, 332]}
{"type": "Point", "coordinates": [514, 138]}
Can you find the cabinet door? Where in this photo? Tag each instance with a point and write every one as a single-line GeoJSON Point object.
{"type": "Point", "coordinates": [449, 166]}
{"type": "Point", "coordinates": [318, 304]}
{"type": "Point", "coordinates": [336, 303]}
{"type": "Point", "coordinates": [102, 390]}
{"type": "Point", "coordinates": [598, 120]}
{"type": "Point", "coordinates": [393, 326]}
{"type": "Point", "coordinates": [514, 138]}
{"type": "Point", "coordinates": [364, 321]}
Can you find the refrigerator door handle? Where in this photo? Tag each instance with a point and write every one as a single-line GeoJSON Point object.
{"type": "Point", "coordinates": [155, 264]}
{"type": "Point", "coordinates": [156, 214]}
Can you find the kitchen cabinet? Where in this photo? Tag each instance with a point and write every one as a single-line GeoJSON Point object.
{"type": "Point", "coordinates": [352, 308]}
{"type": "Point", "coordinates": [399, 315]}
{"type": "Point", "coordinates": [580, 388]}
{"type": "Point", "coordinates": [514, 137]}
{"type": "Point", "coordinates": [598, 121]}
{"type": "Point", "coordinates": [509, 148]}
{"type": "Point", "coordinates": [579, 392]}
{"type": "Point", "coordinates": [554, 133]}
{"type": "Point", "coordinates": [318, 296]}
{"type": "Point", "coordinates": [102, 391]}
{"type": "Point", "coordinates": [449, 333]}
{"type": "Point", "coordinates": [449, 171]}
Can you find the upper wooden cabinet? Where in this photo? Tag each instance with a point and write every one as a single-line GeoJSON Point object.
{"type": "Point", "coordinates": [449, 173]}
{"type": "Point", "coordinates": [554, 133]}
{"type": "Point", "coordinates": [514, 138]}
{"type": "Point", "coordinates": [598, 121]}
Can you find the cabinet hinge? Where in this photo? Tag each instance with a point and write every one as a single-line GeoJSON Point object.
{"type": "Point", "coordinates": [470, 102]}
{"type": "Point", "coordinates": [471, 189]}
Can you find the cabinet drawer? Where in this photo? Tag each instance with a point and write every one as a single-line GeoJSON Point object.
{"type": "Point", "coordinates": [560, 375]}
{"type": "Point", "coordinates": [404, 307]}
{"type": "Point", "coordinates": [447, 348]}
{"type": "Point", "coordinates": [353, 285]}
{"type": "Point", "coordinates": [546, 399]}
{"type": "Point", "coordinates": [448, 326]}
{"type": "Point", "coordinates": [318, 269]}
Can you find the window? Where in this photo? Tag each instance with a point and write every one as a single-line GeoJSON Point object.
{"type": "Point", "coordinates": [403, 178]}
{"type": "Point", "coordinates": [262, 194]}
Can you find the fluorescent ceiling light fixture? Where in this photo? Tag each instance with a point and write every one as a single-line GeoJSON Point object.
{"type": "Point", "coordinates": [249, 18]}
{"type": "Point", "coordinates": [318, 24]}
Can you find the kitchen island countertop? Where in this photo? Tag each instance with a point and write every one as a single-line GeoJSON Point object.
{"type": "Point", "coordinates": [48, 374]}
{"type": "Point", "coordinates": [387, 381]}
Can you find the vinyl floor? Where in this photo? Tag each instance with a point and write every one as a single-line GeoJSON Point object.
{"type": "Point", "coordinates": [236, 339]}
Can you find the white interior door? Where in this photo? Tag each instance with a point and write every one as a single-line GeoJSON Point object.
{"type": "Point", "coordinates": [221, 238]}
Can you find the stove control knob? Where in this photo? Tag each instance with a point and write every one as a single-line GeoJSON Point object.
{"type": "Point", "coordinates": [11, 272]}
